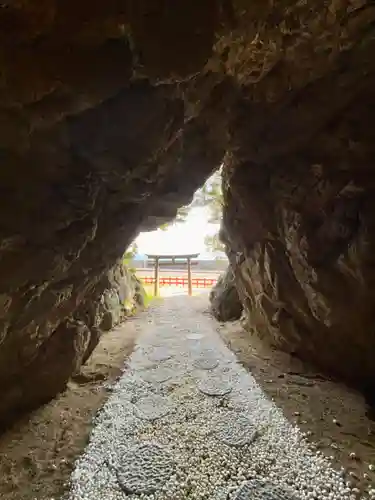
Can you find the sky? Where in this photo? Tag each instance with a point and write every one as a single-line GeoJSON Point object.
{"type": "Point", "coordinates": [180, 238]}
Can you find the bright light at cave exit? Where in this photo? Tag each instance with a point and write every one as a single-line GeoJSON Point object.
{"type": "Point", "coordinates": [180, 238]}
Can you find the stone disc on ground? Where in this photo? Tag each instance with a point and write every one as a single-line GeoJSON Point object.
{"type": "Point", "coordinates": [144, 469]}
{"type": "Point", "coordinates": [263, 490]}
{"type": "Point", "coordinates": [159, 354]}
{"type": "Point", "coordinates": [204, 363]}
{"type": "Point", "coordinates": [214, 386]}
{"type": "Point", "coordinates": [142, 364]}
{"type": "Point", "coordinates": [235, 430]}
{"type": "Point", "coordinates": [206, 359]}
{"type": "Point", "coordinates": [226, 372]}
{"type": "Point", "coordinates": [157, 375]}
{"type": "Point", "coordinates": [194, 336]}
{"type": "Point", "coordinates": [152, 407]}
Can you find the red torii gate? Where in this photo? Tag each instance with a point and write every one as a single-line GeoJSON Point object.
{"type": "Point", "coordinates": [173, 258]}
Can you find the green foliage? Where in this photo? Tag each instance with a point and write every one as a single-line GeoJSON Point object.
{"type": "Point", "coordinates": [149, 296]}
{"type": "Point", "coordinates": [209, 195]}
{"type": "Point", "coordinates": [165, 226]}
{"type": "Point", "coordinates": [130, 253]}
{"type": "Point", "coordinates": [213, 243]}
{"type": "Point", "coordinates": [182, 214]}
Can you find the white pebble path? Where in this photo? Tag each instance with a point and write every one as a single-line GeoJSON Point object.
{"type": "Point", "coordinates": [159, 437]}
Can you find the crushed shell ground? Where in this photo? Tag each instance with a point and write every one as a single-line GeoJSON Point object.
{"type": "Point", "coordinates": [186, 421]}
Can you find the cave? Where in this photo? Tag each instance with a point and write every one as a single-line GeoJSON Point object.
{"type": "Point", "coordinates": [114, 113]}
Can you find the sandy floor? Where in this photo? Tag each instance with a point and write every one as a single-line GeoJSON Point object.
{"type": "Point", "coordinates": [333, 414]}
{"type": "Point", "coordinates": [37, 455]}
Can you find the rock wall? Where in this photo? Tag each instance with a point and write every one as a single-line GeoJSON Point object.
{"type": "Point", "coordinates": [113, 113]}
{"type": "Point", "coordinates": [225, 302]}
{"type": "Point", "coordinates": [303, 262]}
{"type": "Point", "coordinates": [74, 341]}
{"type": "Point", "coordinates": [123, 295]}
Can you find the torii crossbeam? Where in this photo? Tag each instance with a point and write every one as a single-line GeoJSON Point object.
{"type": "Point", "coordinates": [172, 258]}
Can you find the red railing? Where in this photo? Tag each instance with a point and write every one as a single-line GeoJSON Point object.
{"type": "Point", "coordinates": [174, 281]}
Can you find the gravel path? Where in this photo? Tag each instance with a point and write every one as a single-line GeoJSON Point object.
{"type": "Point", "coordinates": [186, 421]}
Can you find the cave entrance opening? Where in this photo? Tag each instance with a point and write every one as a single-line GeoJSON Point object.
{"type": "Point", "coordinates": [172, 260]}
{"type": "Point", "coordinates": [208, 200]}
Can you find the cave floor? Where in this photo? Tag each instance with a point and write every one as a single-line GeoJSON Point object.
{"type": "Point", "coordinates": [187, 420]}
{"type": "Point", "coordinates": [199, 410]}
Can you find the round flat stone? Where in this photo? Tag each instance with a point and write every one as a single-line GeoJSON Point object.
{"type": "Point", "coordinates": [159, 354]}
{"type": "Point", "coordinates": [206, 360]}
{"type": "Point", "coordinates": [214, 387]}
{"type": "Point", "coordinates": [144, 469]}
{"type": "Point", "coordinates": [262, 490]}
{"type": "Point", "coordinates": [157, 375]}
{"type": "Point", "coordinates": [205, 363]}
{"type": "Point", "coordinates": [143, 364]}
{"type": "Point", "coordinates": [194, 336]}
{"type": "Point", "coordinates": [235, 430]}
{"type": "Point", "coordinates": [152, 407]}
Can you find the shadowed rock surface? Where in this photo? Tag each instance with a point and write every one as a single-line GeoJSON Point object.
{"type": "Point", "coordinates": [113, 113]}
{"type": "Point", "coordinates": [123, 294]}
{"type": "Point", "coordinates": [225, 301]}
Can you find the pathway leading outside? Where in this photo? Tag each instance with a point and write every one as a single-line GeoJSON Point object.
{"type": "Point", "coordinates": [187, 421]}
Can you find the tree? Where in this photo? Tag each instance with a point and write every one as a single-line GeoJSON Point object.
{"type": "Point", "coordinates": [213, 243]}
{"type": "Point", "coordinates": [209, 196]}
{"type": "Point", "coordinates": [130, 253]}
{"type": "Point", "coordinates": [181, 216]}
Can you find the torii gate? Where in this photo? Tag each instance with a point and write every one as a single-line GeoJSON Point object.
{"type": "Point", "coordinates": [173, 258]}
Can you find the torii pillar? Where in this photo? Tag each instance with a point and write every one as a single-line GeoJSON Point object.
{"type": "Point", "coordinates": [186, 257]}
{"type": "Point", "coordinates": [190, 285]}
{"type": "Point", "coordinates": [156, 283]}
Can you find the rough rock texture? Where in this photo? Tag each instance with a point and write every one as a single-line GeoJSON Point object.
{"type": "Point", "coordinates": [123, 294]}
{"type": "Point", "coordinates": [75, 339]}
{"type": "Point", "coordinates": [224, 298]}
{"type": "Point", "coordinates": [306, 278]}
{"type": "Point", "coordinates": [113, 113]}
